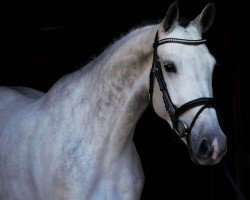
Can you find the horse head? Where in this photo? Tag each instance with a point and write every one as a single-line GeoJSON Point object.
{"type": "Point", "coordinates": [181, 84]}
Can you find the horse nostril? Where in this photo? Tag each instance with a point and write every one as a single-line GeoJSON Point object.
{"type": "Point", "coordinates": [205, 148]}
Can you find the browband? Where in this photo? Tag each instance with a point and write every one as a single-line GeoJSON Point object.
{"type": "Point", "coordinates": [180, 41]}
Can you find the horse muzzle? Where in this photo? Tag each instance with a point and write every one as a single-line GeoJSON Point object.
{"type": "Point", "coordinates": [209, 147]}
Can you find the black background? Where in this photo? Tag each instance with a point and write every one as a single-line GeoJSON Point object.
{"type": "Point", "coordinates": [41, 42]}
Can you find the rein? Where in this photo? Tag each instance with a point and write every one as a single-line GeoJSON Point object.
{"type": "Point", "coordinates": [179, 127]}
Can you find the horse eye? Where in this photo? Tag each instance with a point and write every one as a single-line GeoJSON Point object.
{"type": "Point", "coordinates": [170, 67]}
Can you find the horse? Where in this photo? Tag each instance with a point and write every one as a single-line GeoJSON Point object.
{"type": "Point", "coordinates": [76, 140]}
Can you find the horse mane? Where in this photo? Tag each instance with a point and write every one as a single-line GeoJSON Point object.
{"type": "Point", "coordinates": [123, 37]}
{"type": "Point", "coordinates": [119, 40]}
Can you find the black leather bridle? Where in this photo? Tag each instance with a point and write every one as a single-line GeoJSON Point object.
{"type": "Point", "coordinates": [179, 127]}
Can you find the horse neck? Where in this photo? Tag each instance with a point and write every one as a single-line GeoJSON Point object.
{"type": "Point", "coordinates": [112, 90]}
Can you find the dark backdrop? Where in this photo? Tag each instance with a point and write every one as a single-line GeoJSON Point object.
{"type": "Point", "coordinates": [41, 42]}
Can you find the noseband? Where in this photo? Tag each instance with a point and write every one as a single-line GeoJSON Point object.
{"type": "Point", "coordinates": [179, 127]}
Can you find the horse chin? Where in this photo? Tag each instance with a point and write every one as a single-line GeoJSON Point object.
{"type": "Point", "coordinates": [204, 161]}
{"type": "Point", "coordinates": [208, 161]}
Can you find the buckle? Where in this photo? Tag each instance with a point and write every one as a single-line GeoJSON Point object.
{"type": "Point", "coordinates": [180, 128]}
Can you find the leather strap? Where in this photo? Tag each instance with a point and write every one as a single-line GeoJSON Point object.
{"type": "Point", "coordinates": [173, 111]}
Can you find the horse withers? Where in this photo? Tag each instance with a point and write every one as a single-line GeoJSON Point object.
{"type": "Point", "coordinates": [76, 140]}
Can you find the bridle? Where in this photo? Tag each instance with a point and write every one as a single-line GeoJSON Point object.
{"type": "Point", "coordinates": [179, 127]}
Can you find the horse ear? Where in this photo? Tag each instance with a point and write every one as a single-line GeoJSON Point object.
{"type": "Point", "coordinates": [171, 17]}
{"type": "Point", "coordinates": [205, 19]}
